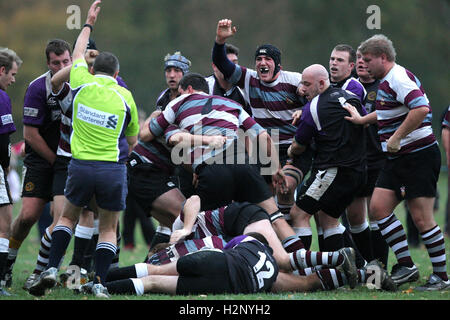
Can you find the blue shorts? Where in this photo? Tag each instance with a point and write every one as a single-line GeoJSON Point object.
{"type": "Point", "coordinates": [107, 181]}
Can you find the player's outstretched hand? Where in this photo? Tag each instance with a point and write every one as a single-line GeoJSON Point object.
{"type": "Point", "coordinates": [224, 30]}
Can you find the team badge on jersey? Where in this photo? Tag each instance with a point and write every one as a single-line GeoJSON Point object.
{"type": "Point", "coordinates": [29, 186]}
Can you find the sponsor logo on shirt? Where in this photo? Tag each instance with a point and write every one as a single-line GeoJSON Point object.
{"type": "Point", "coordinates": [7, 119]}
{"type": "Point", "coordinates": [97, 117]}
{"type": "Point", "coordinates": [30, 112]}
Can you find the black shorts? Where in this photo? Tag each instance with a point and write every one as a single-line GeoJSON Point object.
{"type": "Point", "coordinates": [412, 175]}
{"type": "Point", "coordinates": [37, 182]}
{"type": "Point", "coordinates": [60, 175]}
{"type": "Point", "coordinates": [367, 189]}
{"type": "Point", "coordinates": [183, 177]}
{"type": "Point", "coordinates": [204, 271]}
{"type": "Point", "coordinates": [220, 184]}
{"type": "Point", "coordinates": [238, 216]}
{"type": "Point", "coordinates": [146, 183]}
{"type": "Point", "coordinates": [331, 190]}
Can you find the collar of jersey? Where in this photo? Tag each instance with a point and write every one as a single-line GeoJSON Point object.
{"type": "Point", "coordinates": [105, 76]}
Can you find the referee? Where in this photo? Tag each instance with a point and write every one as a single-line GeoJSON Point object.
{"type": "Point", "coordinates": [104, 128]}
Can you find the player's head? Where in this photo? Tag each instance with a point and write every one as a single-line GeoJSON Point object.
{"type": "Point", "coordinates": [315, 80]}
{"type": "Point", "coordinates": [342, 62]}
{"type": "Point", "coordinates": [9, 65]}
{"type": "Point", "coordinates": [267, 62]}
{"type": "Point", "coordinates": [106, 63]}
{"type": "Point", "coordinates": [175, 66]}
{"type": "Point", "coordinates": [58, 55]}
{"type": "Point", "coordinates": [193, 82]}
{"type": "Point", "coordinates": [379, 54]}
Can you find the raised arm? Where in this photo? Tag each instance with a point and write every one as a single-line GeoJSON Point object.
{"type": "Point", "coordinates": [219, 55]}
{"type": "Point", "coordinates": [83, 38]}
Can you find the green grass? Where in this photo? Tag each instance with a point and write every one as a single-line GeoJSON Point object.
{"type": "Point", "coordinates": [28, 252]}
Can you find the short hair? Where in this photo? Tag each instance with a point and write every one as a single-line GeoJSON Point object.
{"type": "Point", "coordinates": [231, 49]}
{"type": "Point", "coordinates": [7, 57]}
{"type": "Point", "coordinates": [106, 63]}
{"type": "Point", "coordinates": [377, 45]}
{"type": "Point", "coordinates": [349, 49]}
{"type": "Point", "coordinates": [196, 81]}
{"type": "Point", "coordinates": [58, 47]}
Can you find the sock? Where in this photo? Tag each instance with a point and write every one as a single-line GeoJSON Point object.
{"type": "Point", "coordinates": [121, 273]}
{"type": "Point", "coordinates": [14, 246]}
{"type": "Point", "coordinates": [362, 276]}
{"type": "Point", "coordinates": [306, 271]}
{"type": "Point", "coordinates": [88, 263]}
{"type": "Point", "coordinates": [162, 235]}
{"type": "Point", "coordinates": [434, 242]}
{"type": "Point", "coordinates": [302, 259]}
{"type": "Point", "coordinates": [126, 286]}
{"type": "Point", "coordinates": [331, 279]}
{"type": "Point", "coordinates": [104, 254]}
{"type": "Point", "coordinates": [138, 270]}
{"type": "Point", "coordinates": [61, 236]}
{"type": "Point", "coordinates": [393, 233]}
{"type": "Point", "coordinates": [380, 248]}
{"type": "Point", "coordinates": [292, 243]}
{"type": "Point", "coordinates": [115, 260]}
{"type": "Point", "coordinates": [305, 234]}
{"type": "Point", "coordinates": [4, 246]}
{"type": "Point", "coordinates": [44, 251]}
{"type": "Point", "coordinates": [333, 239]}
{"type": "Point", "coordinates": [362, 237]}
{"type": "Point", "coordinates": [348, 242]}
{"type": "Point", "coordinates": [320, 238]}
{"type": "Point", "coordinates": [83, 236]}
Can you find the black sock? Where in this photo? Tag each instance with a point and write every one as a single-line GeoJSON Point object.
{"type": "Point", "coordinates": [79, 250]}
{"type": "Point", "coordinates": [61, 236]}
{"type": "Point", "coordinates": [320, 240]}
{"type": "Point", "coordinates": [348, 242]}
{"type": "Point", "coordinates": [333, 242]}
{"type": "Point", "coordinates": [380, 247]}
{"type": "Point", "coordinates": [363, 242]}
{"type": "Point", "coordinates": [88, 261]}
{"type": "Point", "coordinates": [124, 286]}
{"type": "Point", "coordinates": [103, 256]}
{"type": "Point", "coordinates": [307, 240]}
{"type": "Point", "coordinates": [121, 273]}
{"type": "Point", "coordinates": [3, 258]}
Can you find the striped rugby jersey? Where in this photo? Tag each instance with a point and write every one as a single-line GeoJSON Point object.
{"type": "Point", "coordinates": [399, 92]}
{"type": "Point", "coordinates": [203, 114]}
{"type": "Point", "coordinates": [446, 120]}
{"type": "Point", "coordinates": [179, 249]}
{"type": "Point", "coordinates": [272, 104]}
{"type": "Point", "coordinates": [208, 223]}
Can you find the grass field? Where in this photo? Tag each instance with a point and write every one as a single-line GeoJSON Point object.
{"type": "Point", "coordinates": [28, 253]}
